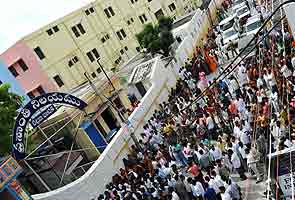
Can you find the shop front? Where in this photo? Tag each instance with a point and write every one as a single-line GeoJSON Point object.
{"type": "Point", "coordinates": [10, 189]}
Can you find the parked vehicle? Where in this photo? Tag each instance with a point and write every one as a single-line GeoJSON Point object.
{"type": "Point", "coordinates": [227, 23]}
{"type": "Point", "coordinates": [243, 14]}
{"type": "Point", "coordinates": [236, 5]}
{"type": "Point", "coordinates": [252, 26]}
{"type": "Point", "coordinates": [228, 35]}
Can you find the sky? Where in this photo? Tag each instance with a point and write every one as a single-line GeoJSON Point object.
{"type": "Point", "coordinates": [21, 17]}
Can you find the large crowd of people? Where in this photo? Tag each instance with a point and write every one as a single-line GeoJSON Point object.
{"type": "Point", "coordinates": [197, 146]}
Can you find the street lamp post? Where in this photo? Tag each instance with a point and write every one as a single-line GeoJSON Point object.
{"type": "Point", "coordinates": [102, 69]}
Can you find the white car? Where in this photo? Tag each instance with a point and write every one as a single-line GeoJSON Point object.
{"type": "Point", "coordinates": [236, 5]}
{"type": "Point", "coordinates": [252, 26]}
{"type": "Point", "coordinates": [227, 23]}
{"type": "Point", "coordinates": [228, 35]}
{"type": "Point", "coordinates": [243, 13]}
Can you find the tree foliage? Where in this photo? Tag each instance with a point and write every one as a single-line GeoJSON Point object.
{"type": "Point", "coordinates": [157, 39]}
{"type": "Point", "coordinates": [9, 104]}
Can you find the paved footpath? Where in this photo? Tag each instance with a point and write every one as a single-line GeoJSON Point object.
{"type": "Point", "coordinates": [251, 190]}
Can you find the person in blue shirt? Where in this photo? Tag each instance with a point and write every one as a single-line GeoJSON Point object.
{"type": "Point", "coordinates": [210, 194]}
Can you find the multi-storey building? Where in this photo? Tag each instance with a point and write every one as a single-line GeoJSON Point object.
{"type": "Point", "coordinates": [7, 77]}
{"type": "Point", "coordinates": [25, 69]}
{"type": "Point", "coordinates": [58, 55]}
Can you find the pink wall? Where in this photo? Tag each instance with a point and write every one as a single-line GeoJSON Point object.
{"type": "Point", "coordinates": [34, 76]}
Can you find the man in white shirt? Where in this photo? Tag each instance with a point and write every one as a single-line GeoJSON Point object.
{"type": "Point", "coordinates": [212, 184]}
{"type": "Point", "coordinates": [276, 129]}
{"type": "Point", "coordinates": [245, 138]}
{"type": "Point", "coordinates": [237, 130]}
{"type": "Point", "coordinates": [233, 86]}
{"type": "Point", "coordinates": [243, 76]}
{"type": "Point", "coordinates": [241, 106]}
{"type": "Point", "coordinates": [197, 189]}
{"type": "Point", "coordinates": [174, 195]}
{"type": "Point", "coordinates": [210, 126]}
{"type": "Point", "coordinates": [285, 71]}
{"type": "Point", "coordinates": [259, 82]}
{"type": "Point", "coordinates": [216, 152]}
{"type": "Point", "coordinates": [235, 160]}
{"type": "Point", "coordinates": [293, 61]}
{"type": "Point", "coordinates": [232, 191]}
{"type": "Point", "coordinates": [252, 159]}
{"type": "Point", "coordinates": [271, 78]}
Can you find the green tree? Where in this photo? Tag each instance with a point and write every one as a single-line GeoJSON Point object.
{"type": "Point", "coordinates": [9, 104]}
{"type": "Point", "coordinates": [158, 38]}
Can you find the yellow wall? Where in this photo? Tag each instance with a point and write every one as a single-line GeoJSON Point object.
{"type": "Point", "coordinates": [63, 45]}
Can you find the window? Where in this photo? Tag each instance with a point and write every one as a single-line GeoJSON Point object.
{"type": "Point", "coordinates": [39, 53]}
{"type": "Point", "coordinates": [172, 7]}
{"type": "Point", "coordinates": [23, 65]}
{"type": "Point", "coordinates": [75, 31]}
{"type": "Point", "coordinates": [40, 90]}
{"type": "Point", "coordinates": [109, 12]}
{"type": "Point", "coordinates": [81, 28]}
{"type": "Point", "coordinates": [128, 22]}
{"type": "Point", "coordinates": [75, 59]}
{"type": "Point", "coordinates": [31, 95]}
{"type": "Point", "coordinates": [91, 10]}
{"type": "Point", "coordinates": [92, 55]}
{"type": "Point", "coordinates": [78, 30]}
{"type": "Point", "coordinates": [159, 13]}
{"type": "Point", "coordinates": [132, 20]}
{"type": "Point", "coordinates": [133, 1]}
{"type": "Point", "coordinates": [122, 51]}
{"type": "Point", "coordinates": [70, 64]}
{"type": "Point", "coordinates": [149, 0]}
{"type": "Point", "coordinates": [58, 81]}
{"type": "Point", "coordinates": [49, 32]}
{"type": "Point", "coordinates": [121, 34]}
{"type": "Point", "coordinates": [56, 29]}
{"type": "Point", "coordinates": [118, 60]}
{"type": "Point", "coordinates": [118, 103]}
{"type": "Point", "coordinates": [13, 71]}
{"type": "Point", "coordinates": [106, 11]}
{"type": "Point", "coordinates": [96, 54]}
{"type": "Point", "coordinates": [142, 18]}
{"type": "Point", "coordinates": [126, 48]}
{"type": "Point", "coordinates": [98, 70]}
{"type": "Point", "coordinates": [137, 49]}
{"type": "Point", "coordinates": [93, 75]}
{"type": "Point", "coordinates": [105, 38]}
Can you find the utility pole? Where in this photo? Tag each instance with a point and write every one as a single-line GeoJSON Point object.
{"type": "Point", "coordinates": [102, 69]}
{"type": "Point", "coordinates": [98, 94]}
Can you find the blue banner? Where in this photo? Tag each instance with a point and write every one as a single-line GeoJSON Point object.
{"type": "Point", "coordinates": [42, 116]}
{"type": "Point", "coordinates": [28, 111]}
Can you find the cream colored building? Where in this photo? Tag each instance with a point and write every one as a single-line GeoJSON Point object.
{"type": "Point", "coordinates": [103, 30]}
